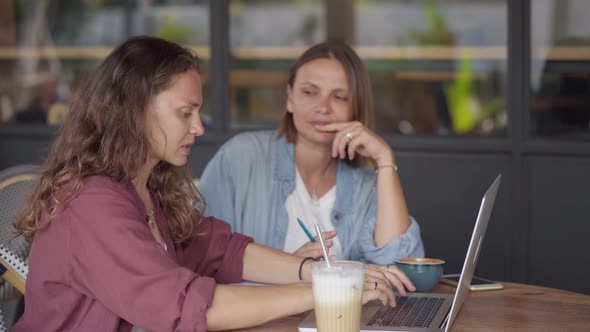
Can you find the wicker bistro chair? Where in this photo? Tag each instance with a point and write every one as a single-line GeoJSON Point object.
{"type": "Point", "coordinates": [16, 183]}
{"type": "Point", "coordinates": [2, 326]}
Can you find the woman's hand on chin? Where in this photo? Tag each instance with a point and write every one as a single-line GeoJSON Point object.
{"type": "Point", "coordinates": [353, 138]}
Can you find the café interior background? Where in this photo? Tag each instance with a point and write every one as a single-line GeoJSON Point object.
{"type": "Point", "coordinates": [464, 89]}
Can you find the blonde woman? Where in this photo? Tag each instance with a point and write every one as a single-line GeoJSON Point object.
{"type": "Point", "coordinates": [324, 165]}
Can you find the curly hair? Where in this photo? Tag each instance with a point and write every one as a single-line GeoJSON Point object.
{"type": "Point", "coordinates": [104, 135]}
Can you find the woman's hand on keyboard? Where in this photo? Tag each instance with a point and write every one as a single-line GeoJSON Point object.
{"type": "Point", "coordinates": [380, 281]}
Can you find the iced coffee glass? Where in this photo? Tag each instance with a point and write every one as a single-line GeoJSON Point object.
{"type": "Point", "coordinates": [338, 292]}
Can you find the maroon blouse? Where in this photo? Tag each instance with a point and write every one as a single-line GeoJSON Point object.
{"type": "Point", "coordinates": [97, 267]}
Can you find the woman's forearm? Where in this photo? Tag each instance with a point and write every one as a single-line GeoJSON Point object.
{"type": "Point", "coordinates": [392, 212]}
{"type": "Point", "coordinates": [236, 306]}
{"type": "Point", "coordinates": [268, 265]}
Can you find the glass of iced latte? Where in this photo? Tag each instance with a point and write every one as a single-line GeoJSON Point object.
{"type": "Point", "coordinates": [338, 292]}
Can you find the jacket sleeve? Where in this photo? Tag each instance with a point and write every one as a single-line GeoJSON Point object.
{"type": "Point", "coordinates": [216, 251]}
{"type": "Point", "coordinates": [218, 186]}
{"type": "Point", "coordinates": [115, 260]}
{"type": "Point", "coordinates": [408, 244]}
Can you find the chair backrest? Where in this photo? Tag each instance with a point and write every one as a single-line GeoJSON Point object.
{"type": "Point", "coordinates": [16, 183]}
{"type": "Point", "coordinates": [2, 325]}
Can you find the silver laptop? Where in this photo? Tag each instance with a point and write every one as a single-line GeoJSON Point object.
{"type": "Point", "coordinates": [427, 311]}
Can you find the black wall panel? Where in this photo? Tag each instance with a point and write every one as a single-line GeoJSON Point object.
{"type": "Point", "coordinates": [444, 192]}
{"type": "Point", "coordinates": [560, 222]}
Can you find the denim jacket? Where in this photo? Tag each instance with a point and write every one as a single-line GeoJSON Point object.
{"type": "Point", "coordinates": [249, 179]}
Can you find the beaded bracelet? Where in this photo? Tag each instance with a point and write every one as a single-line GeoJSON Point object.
{"type": "Point", "coordinates": [301, 265]}
{"type": "Point", "coordinates": [394, 166]}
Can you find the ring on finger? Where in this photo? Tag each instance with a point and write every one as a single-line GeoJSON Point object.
{"type": "Point", "coordinates": [348, 136]}
{"type": "Point", "coordinates": [375, 287]}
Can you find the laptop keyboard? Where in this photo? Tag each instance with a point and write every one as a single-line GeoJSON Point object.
{"type": "Point", "coordinates": [410, 311]}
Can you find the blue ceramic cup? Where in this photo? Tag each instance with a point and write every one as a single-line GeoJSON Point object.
{"type": "Point", "coordinates": [423, 272]}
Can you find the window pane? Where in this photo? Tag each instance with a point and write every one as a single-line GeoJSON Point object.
{"type": "Point", "coordinates": [261, 56]}
{"type": "Point", "coordinates": [48, 48]}
{"type": "Point", "coordinates": [437, 67]}
{"type": "Point", "coordinates": [560, 69]}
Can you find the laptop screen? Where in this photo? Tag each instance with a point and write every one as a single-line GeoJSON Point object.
{"type": "Point", "coordinates": [481, 225]}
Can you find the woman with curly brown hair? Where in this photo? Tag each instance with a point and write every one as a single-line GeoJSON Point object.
{"type": "Point", "coordinates": [117, 241]}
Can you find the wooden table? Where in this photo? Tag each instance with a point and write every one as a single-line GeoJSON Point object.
{"type": "Point", "coordinates": [517, 307]}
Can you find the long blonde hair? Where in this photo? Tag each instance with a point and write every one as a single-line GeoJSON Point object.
{"type": "Point", "coordinates": [104, 135]}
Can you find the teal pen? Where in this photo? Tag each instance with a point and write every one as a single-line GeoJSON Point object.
{"type": "Point", "coordinates": [305, 230]}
